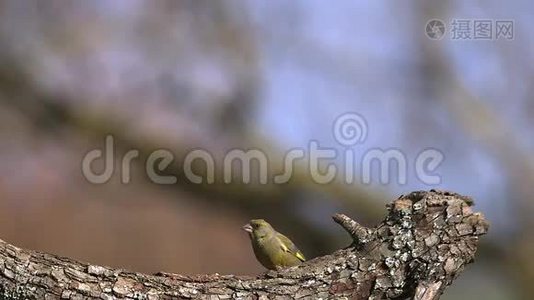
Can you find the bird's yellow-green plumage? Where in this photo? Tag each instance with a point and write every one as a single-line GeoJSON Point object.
{"type": "Point", "coordinates": [272, 249]}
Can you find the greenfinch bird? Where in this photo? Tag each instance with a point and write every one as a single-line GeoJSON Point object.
{"type": "Point", "coordinates": [272, 249]}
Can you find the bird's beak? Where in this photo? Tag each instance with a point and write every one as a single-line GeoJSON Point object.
{"type": "Point", "coordinates": [247, 228]}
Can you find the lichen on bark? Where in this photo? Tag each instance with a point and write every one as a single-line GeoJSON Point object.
{"type": "Point", "coordinates": [421, 246]}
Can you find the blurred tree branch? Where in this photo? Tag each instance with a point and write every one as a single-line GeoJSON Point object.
{"type": "Point", "coordinates": [51, 114]}
{"type": "Point", "coordinates": [203, 30]}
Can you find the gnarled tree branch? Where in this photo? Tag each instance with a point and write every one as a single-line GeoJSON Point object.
{"type": "Point", "coordinates": [416, 252]}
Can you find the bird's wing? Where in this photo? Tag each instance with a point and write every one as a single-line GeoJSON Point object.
{"type": "Point", "coordinates": [288, 246]}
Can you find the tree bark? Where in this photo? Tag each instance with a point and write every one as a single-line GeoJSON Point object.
{"type": "Point", "coordinates": [421, 246]}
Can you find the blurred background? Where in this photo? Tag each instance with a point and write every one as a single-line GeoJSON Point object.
{"type": "Point", "coordinates": [270, 75]}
